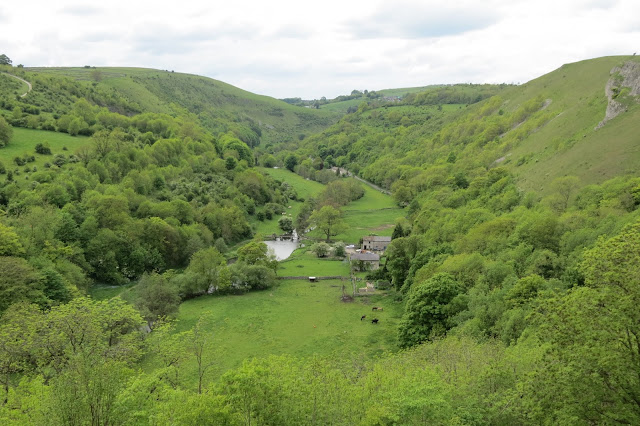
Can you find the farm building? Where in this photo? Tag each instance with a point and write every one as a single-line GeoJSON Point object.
{"type": "Point", "coordinates": [365, 261]}
{"type": "Point", "coordinates": [375, 243]}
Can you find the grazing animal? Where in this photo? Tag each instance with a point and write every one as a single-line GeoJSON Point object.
{"type": "Point", "coordinates": [374, 321]}
{"type": "Point", "coordinates": [377, 308]}
{"type": "Point", "coordinates": [362, 317]}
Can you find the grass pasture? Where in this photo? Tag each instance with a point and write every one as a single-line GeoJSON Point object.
{"type": "Point", "coordinates": [305, 188]}
{"type": "Point", "coordinates": [297, 318]}
{"type": "Point", "coordinates": [305, 263]}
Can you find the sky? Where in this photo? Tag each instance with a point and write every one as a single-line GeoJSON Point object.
{"type": "Point", "coordinates": [310, 49]}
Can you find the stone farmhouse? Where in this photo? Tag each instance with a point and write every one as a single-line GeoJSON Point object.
{"type": "Point", "coordinates": [375, 243]}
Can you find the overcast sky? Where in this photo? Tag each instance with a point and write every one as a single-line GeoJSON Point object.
{"type": "Point", "coordinates": [308, 49]}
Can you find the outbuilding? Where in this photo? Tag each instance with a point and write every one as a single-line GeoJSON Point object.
{"type": "Point", "coordinates": [365, 261]}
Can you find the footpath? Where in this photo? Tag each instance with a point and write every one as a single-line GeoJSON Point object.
{"type": "Point", "coordinates": [22, 80]}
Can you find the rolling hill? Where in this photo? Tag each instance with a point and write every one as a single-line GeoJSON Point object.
{"type": "Point", "coordinates": [539, 131]}
{"type": "Point", "coordinates": [134, 90]}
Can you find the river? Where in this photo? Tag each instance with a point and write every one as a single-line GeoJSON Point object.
{"type": "Point", "coordinates": [282, 249]}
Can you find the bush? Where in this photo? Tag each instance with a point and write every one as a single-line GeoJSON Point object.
{"type": "Point", "coordinates": [59, 160]}
{"type": "Point", "coordinates": [43, 149]}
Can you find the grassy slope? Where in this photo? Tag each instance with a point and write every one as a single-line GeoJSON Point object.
{"type": "Point", "coordinates": [374, 213]}
{"type": "Point", "coordinates": [304, 188]}
{"type": "Point", "coordinates": [343, 106]}
{"type": "Point", "coordinates": [25, 140]}
{"type": "Point", "coordinates": [12, 85]}
{"type": "Point", "coordinates": [568, 144]}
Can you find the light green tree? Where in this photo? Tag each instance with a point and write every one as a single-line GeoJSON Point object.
{"type": "Point", "coordinates": [9, 242]}
{"type": "Point", "coordinates": [328, 220]}
{"type": "Point", "coordinates": [207, 271]}
{"type": "Point", "coordinates": [286, 224]}
{"type": "Point", "coordinates": [6, 131]}
{"type": "Point", "coordinates": [321, 249]}
{"type": "Point", "coordinates": [593, 338]}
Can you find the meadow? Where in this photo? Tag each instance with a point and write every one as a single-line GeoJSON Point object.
{"type": "Point", "coordinates": [304, 263]}
{"type": "Point", "coordinates": [304, 188]}
{"type": "Point", "coordinates": [374, 213]}
{"type": "Point", "coordinates": [296, 317]}
{"type": "Point", "coordinates": [24, 142]}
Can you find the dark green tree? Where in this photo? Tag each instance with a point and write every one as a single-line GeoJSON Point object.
{"type": "Point", "coordinates": [429, 310]}
{"type": "Point", "coordinates": [157, 298]}
{"type": "Point", "coordinates": [290, 162]}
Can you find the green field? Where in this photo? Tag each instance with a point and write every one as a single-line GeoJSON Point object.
{"type": "Point", "coordinates": [296, 317]}
{"type": "Point", "coordinates": [374, 213]}
{"type": "Point", "coordinates": [305, 263]}
{"type": "Point", "coordinates": [24, 142]}
{"type": "Point", "coordinates": [305, 189]}
{"type": "Point", "coordinates": [342, 107]}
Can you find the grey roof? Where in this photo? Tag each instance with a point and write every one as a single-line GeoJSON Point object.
{"type": "Point", "coordinates": [365, 256]}
{"type": "Point", "coordinates": [377, 239]}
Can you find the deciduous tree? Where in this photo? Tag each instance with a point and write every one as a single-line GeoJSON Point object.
{"type": "Point", "coordinates": [6, 131]}
{"type": "Point", "coordinates": [429, 309]}
{"type": "Point", "coordinates": [328, 220]}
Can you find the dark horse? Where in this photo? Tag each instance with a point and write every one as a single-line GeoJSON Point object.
{"type": "Point", "coordinates": [362, 317]}
{"type": "Point", "coordinates": [374, 321]}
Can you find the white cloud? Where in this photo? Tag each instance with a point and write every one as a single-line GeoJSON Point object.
{"type": "Point", "coordinates": [419, 20]}
{"type": "Point", "coordinates": [285, 48]}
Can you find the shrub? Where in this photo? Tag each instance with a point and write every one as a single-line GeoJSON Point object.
{"type": "Point", "coordinates": [43, 149]}
{"type": "Point", "coordinates": [59, 160]}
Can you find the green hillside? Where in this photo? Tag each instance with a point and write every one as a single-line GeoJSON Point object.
{"type": "Point", "coordinates": [132, 90]}
{"type": "Point", "coordinates": [569, 144]}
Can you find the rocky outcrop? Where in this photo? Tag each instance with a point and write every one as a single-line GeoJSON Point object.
{"type": "Point", "coordinates": [626, 76]}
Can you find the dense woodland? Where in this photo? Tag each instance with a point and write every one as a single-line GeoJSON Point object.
{"type": "Point", "coordinates": [519, 289]}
